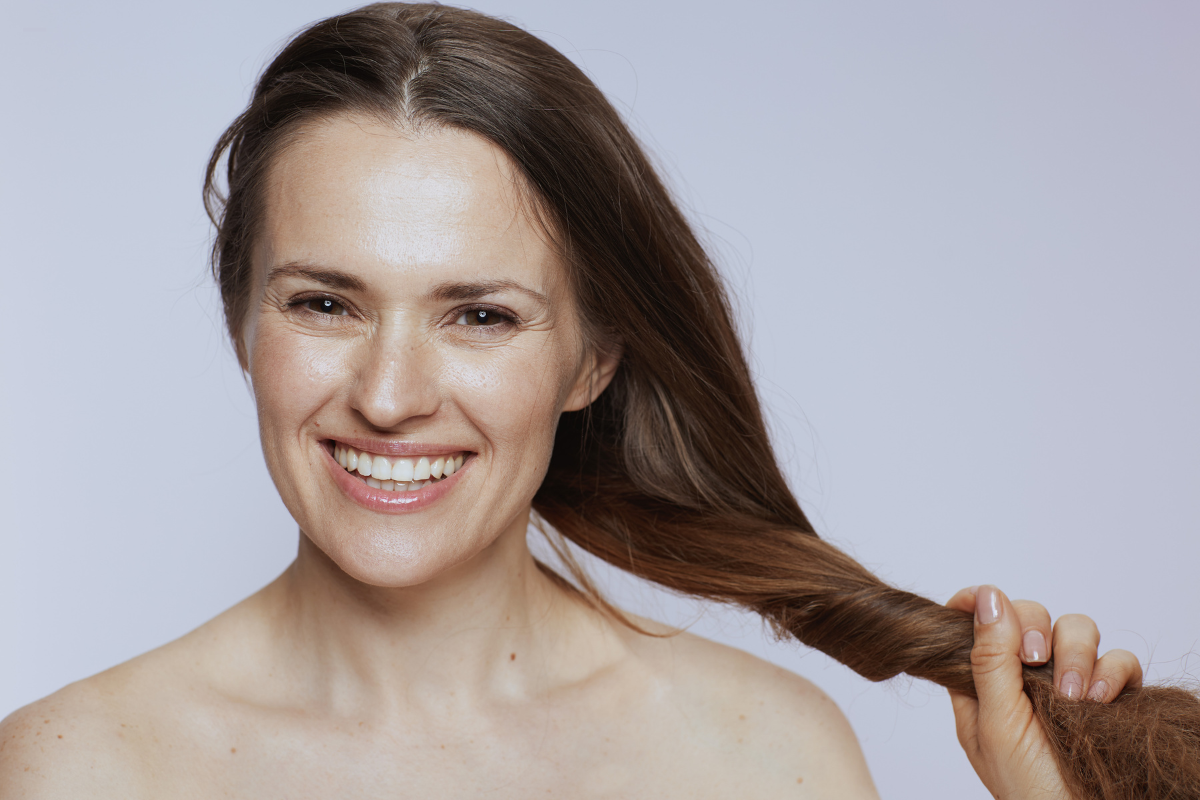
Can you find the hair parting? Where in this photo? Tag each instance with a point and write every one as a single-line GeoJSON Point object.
{"type": "Point", "coordinates": [638, 477]}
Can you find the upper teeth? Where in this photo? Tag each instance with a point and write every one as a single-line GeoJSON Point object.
{"type": "Point", "coordinates": [399, 474]}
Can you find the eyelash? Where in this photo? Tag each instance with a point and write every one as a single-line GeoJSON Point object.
{"type": "Point", "coordinates": [506, 318]}
{"type": "Point", "coordinates": [301, 304]}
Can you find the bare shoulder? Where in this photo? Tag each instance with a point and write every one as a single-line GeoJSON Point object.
{"type": "Point", "coordinates": [111, 734]}
{"type": "Point", "coordinates": [71, 744]}
{"type": "Point", "coordinates": [777, 722]}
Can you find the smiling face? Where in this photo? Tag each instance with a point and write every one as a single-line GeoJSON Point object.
{"type": "Point", "coordinates": [409, 319]}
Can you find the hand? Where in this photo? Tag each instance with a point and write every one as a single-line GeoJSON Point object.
{"type": "Point", "coordinates": [998, 731]}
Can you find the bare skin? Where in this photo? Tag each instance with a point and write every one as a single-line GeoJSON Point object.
{"type": "Point", "coordinates": [404, 298]}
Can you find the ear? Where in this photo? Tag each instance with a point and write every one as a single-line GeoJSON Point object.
{"type": "Point", "coordinates": [599, 366]}
{"type": "Point", "coordinates": [243, 357]}
{"type": "Point", "coordinates": [243, 340]}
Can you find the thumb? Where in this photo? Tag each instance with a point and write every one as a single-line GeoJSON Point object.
{"type": "Point", "coordinates": [995, 656]}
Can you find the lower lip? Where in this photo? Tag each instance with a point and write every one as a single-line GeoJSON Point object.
{"type": "Point", "coordinates": [387, 502]}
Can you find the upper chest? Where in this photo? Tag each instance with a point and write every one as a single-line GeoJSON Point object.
{"type": "Point", "coordinates": [628, 746]}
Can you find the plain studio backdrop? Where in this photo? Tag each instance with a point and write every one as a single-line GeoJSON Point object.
{"type": "Point", "coordinates": [963, 241]}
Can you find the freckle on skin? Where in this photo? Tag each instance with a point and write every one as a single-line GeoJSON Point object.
{"type": "Point", "coordinates": [233, 749]}
{"type": "Point", "coordinates": [799, 780]}
{"type": "Point", "coordinates": [512, 657]}
{"type": "Point", "coordinates": [741, 716]}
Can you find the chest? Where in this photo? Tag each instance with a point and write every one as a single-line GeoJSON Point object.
{"type": "Point", "coordinates": [648, 752]}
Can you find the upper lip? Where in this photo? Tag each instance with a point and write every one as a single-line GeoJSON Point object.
{"type": "Point", "coordinates": [392, 447]}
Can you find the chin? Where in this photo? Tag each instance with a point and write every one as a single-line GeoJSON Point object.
{"type": "Point", "coordinates": [388, 559]}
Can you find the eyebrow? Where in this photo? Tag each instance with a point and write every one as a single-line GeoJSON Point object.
{"type": "Point", "coordinates": [334, 279]}
{"type": "Point", "coordinates": [444, 292]}
{"type": "Point", "coordinates": [474, 290]}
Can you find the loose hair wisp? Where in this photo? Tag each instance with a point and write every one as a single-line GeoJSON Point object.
{"type": "Point", "coordinates": [637, 479]}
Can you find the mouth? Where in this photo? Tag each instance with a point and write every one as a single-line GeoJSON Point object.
{"type": "Point", "coordinates": [392, 474]}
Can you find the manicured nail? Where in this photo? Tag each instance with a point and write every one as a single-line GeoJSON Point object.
{"type": "Point", "coordinates": [1071, 685]}
{"type": "Point", "coordinates": [1033, 647]}
{"type": "Point", "coordinates": [987, 605]}
{"type": "Point", "coordinates": [1099, 691]}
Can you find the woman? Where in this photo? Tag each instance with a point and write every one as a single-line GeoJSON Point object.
{"type": "Point", "coordinates": [446, 317]}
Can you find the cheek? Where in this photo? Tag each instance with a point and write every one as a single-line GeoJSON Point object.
{"type": "Point", "coordinates": [293, 375]}
{"type": "Point", "coordinates": [513, 397]}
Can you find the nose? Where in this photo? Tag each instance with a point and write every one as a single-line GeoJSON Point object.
{"type": "Point", "coordinates": [396, 379]}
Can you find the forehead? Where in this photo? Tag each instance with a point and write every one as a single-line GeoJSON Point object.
{"type": "Point", "coordinates": [366, 196]}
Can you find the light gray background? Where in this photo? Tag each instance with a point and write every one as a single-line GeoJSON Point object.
{"type": "Point", "coordinates": [963, 237]}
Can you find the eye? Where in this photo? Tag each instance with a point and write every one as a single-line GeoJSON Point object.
{"type": "Point", "coordinates": [325, 305]}
{"type": "Point", "coordinates": [482, 317]}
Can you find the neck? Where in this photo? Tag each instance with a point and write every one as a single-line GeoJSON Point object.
{"type": "Point", "coordinates": [492, 629]}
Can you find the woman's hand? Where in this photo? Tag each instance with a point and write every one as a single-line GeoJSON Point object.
{"type": "Point", "coordinates": [1002, 738]}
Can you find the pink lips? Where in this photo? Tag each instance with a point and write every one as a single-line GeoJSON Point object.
{"type": "Point", "coordinates": [381, 500]}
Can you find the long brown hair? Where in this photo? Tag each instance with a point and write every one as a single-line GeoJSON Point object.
{"type": "Point", "coordinates": [639, 478]}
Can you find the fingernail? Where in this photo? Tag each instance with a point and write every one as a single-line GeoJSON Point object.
{"type": "Point", "coordinates": [1033, 646]}
{"type": "Point", "coordinates": [1071, 685]}
{"type": "Point", "coordinates": [1099, 691]}
{"type": "Point", "coordinates": [987, 605]}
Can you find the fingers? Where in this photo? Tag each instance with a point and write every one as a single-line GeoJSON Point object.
{"type": "Point", "coordinates": [1034, 621]}
{"type": "Point", "coordinates": [1114, 671]}
{"type": "Point", "coordinates": [1076, 642]}
{"type": "Point", "coordinates": [1035, 631]}
{"type": "Point", "coordinates": [995, 663]}
{"type": "Point", "coordinates": [963, 600]}
{"type": "Point", "coordinates": [966, 707]}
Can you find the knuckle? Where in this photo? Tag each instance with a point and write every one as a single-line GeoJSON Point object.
{"type": "Point", "coordinates": [1125, 662]}
{"type": "Point", "coordinates": [1074, 661]}
{"type": "Point", "coordinates": [1080, 625]}
{"type": "Point", "coordinates": [1031, 607]}
{"type": "Point", "coordinates": [986, 657]}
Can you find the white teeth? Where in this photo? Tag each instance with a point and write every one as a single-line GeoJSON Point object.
{"type": "Point", "coordinates": [381, 468]}
{"type": "Point", "coordinates": [402, 475]}
{"type": "Point", "coordinates": [402, 470]}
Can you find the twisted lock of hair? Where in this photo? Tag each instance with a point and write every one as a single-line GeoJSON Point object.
{"type": "Point", "coordinates": [637, 479]}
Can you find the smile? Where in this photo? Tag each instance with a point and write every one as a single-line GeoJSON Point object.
{"type": "Point", "coordinates": [396, 474]}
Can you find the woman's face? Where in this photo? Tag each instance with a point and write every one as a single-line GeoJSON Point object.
{"type": "Point", "coordinates": [409, 320]}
